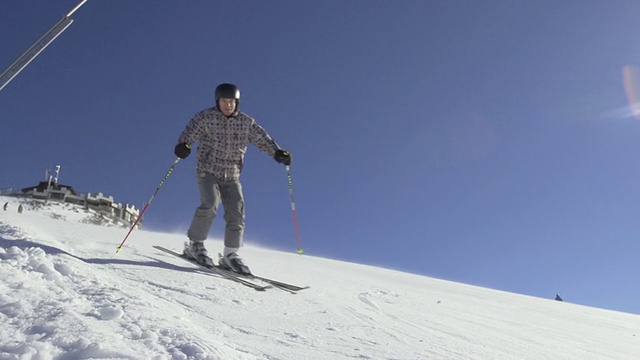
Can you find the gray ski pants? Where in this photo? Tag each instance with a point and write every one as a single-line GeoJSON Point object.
{"type": "Point", "coordinates": [212, 192]}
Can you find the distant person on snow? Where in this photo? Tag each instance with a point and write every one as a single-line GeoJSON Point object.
{"type": "Point", "coordinates": [20, 209]}
{"type": "Point", "coordinates": [558, 298]}
{"type": "Point", "coordinates": [5, 206]}
{"type": "Point", "coordinates": [223, 133]}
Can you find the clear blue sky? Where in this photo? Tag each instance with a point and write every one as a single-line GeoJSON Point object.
{"type": "Point", "coordinates": [469, 141]}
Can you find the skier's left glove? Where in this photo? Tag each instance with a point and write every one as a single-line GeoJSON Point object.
{"type": "Point", "coordinates": [283, 157]}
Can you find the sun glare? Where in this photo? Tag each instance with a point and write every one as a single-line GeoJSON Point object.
{"type": "Point", "coordinates": [630, 79]}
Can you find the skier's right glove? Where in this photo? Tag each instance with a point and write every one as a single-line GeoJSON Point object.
{"type": "Point", "coordinates": [182, 150]}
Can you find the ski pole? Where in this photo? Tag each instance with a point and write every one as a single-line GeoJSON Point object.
{"type": "Point", "coordinates": [293, 210]}
{"type": "Point", "coordinates": [148, 203]}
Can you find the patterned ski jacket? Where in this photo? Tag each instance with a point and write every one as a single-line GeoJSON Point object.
{"type": "Point", "coordinates": [223, 141]}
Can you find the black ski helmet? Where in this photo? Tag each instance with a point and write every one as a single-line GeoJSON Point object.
{"type": "Point", "coordinates": [228, 91]}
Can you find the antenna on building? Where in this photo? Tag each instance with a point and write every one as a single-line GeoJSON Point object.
{"type": "Point", "coordinates": [49, 180]}
{"type": "Point", "coordinates": [55, 180]}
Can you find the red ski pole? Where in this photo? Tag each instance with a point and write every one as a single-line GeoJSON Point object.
{"type": "Point", "coordinates": [293, 211]}
{"type": "Point", "coordinates": [148, 203]}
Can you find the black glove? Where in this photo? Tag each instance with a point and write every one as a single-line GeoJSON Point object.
{"type": "Point", "coordinates": [283, 157]}
{"type": "Point", "coordinates": [182, 150]}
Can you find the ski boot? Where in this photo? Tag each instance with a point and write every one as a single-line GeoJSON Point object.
{"type": "Point", "coordinates": [196, 251]}
{"type": "Point", "coordinates": [234, 262]}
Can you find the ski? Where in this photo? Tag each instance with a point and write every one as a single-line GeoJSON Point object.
{"type": "Point", "coordinates": [222, 272]}
{"type": "Point", "coordinates": [215, 270]}
{"type": "Point", "coordinates": [278, 284]}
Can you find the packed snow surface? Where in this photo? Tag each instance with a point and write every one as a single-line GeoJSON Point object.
{"type": "Point", "coordinates": [65, 294]}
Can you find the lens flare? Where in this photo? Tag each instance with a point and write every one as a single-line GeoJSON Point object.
{"type": "Point", "coordinates": [631, 80]}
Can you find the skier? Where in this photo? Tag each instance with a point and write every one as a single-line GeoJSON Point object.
{"type": "Point", "coordinates": [558, 298]}
{"type": "Point", "coordinates": [20, 209]}
{"type": "Point", "coordinates": [5, 206]}
{"type": "Point", "coordinates": [223, 133]}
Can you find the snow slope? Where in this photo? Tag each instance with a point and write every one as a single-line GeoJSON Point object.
{"type": "Point", "coordinates": [66, 294]}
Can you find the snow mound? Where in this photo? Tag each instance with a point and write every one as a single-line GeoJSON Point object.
{"type": "Point", "coordinates": [66, 211]}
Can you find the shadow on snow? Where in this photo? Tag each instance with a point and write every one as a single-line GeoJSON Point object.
{"type": "Point", "coordinates": [52, 250]}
